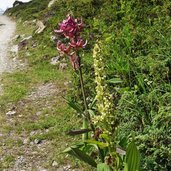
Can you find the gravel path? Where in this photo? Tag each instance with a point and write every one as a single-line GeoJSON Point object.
{"type": "Point", "coordinates": [7, 30]}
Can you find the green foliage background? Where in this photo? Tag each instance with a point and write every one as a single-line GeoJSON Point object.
{"type": "Point", "coordinates": [136, 37]}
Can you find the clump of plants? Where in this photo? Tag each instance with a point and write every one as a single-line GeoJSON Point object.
{"type": "Point", "coordinates": [98, 147]}
{"type": "Point", "coordinates": [135, 47]}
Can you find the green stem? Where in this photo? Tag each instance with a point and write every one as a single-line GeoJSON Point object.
{"type": "Point", "coordinates": [86, 117]}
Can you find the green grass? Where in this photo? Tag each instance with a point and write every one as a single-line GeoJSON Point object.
{"type": "Point", "coordinates": [15, 87]}
{"type": "Point", "coordinates": [7, 160]}
{"type": "Point", "coordinates": [55, 118]}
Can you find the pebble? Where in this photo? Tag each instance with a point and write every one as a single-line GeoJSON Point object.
{"type": "Point", "coordinates": [67, 83]}
{"type": "Point", "coordinates": [67, 168]}
{"type": "Point", "coordinates": [55, 164]}
{"type": "Point", "coordinates": [55, 60]}
{"type": "Point", "coordinates": [16, 37]}
{"type": "Point", "coordinates": [19, 161]}
{"type": "Point", "coordinates": [32, 133]}
{"type": "Point", "coordinates": [11, 113]}
{"type": "Point", "coordinates": [26, 141]}
{"type": "Point", "coordinates": [38, 113]}
{"type": "Point", "coordinates": [37, 141]}
{"type": "Point", "coordinates": [63, 66]}
{"type": "Point", "coordinates": [14, 49]}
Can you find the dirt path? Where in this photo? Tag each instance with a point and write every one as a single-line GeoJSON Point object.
{"type": "Point", "coordinates": [7, 30]}
{"type": "Point", "coordinates": [32, 128]}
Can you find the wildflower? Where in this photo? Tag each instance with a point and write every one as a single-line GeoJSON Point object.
{"type": "Point", "coordinates": [71, 29]}
{"type": "Point", "coordinates": [62, 48]}
{"type": "Point", "coordinates": [79, 43]}
{"type": "Point", "coordinates": [74, 59]}
{"type": "Point", "coordinates": [104, 99]}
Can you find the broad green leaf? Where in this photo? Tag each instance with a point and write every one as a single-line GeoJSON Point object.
{"type": "Point", "coordinates": [74, 105]}
{"type": "Point", "coordinates": [103, 167]}
{"type": "Point", "coordinates": [126, 167]}
{"type": "Point", "coordinates": [132, 159]}
{"type": "Point", "coordinates": [99, 144]}
{"type": "Point", "coordinates": [105, 137]}
{"type": "Point", "coordinates": [114, 81]}
{"type": "Point", "coordinates": [80, 155]}
{"type": "Point", "coordinates": [78, 132]}
{"type": "Point", "coordinates": [77, 145]}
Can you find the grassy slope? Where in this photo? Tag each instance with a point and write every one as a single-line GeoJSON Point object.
{"type": "Point", "coordinates": [17, 86]}
{"type": "Point", "coordinates": [43, 117]}
{"type": "Point", "coordinates": [136, 38]}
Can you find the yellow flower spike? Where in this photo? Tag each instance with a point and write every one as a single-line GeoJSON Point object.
{"type": "Point", "coordinates": [103, 97]}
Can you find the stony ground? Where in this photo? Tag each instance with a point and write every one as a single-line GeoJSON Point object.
{"type": "Point", "coordinates": [33, 115]}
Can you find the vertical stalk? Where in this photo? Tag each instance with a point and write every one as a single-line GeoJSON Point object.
{"type": "Point", "coordinates": [85, 119]}
{"type": "Point", "coordinates": [86, 116]}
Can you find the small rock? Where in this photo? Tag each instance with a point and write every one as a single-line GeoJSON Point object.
{"type": "Point", "coordinates": [11, 113]}
{"type": "Point", "coordinates": [38, 113]}
{"type": "Point", "coordinates": [67, 168]}
{"type": "Point", "coordinates": [53, 38]}
{"type": "Point", "coordinates": [32, 133]}
{"type": "Point", "coordinates": [55, 60]}
{"type": "Point", "coordinates": [16, 37]}
{"type": "Point", "coordinates": [19, 161]}
{"type": "Point", "coordinates": [31, 143]}
{"type": "Point", "coordinates": [55, 164]}
{"type": "Point", "coordinates": [51, 3]}
{"type": "Point", "coordinates": [67, 83]}
{"type": "Point", "coordinates": [26, 141]}
{"type": "Point", "coordinates": [34, 153]}
{"type": "Point", "coordinates": [37, 141]}
{"type": "Point", "coordinates": [14, 49]}
{"type": "Point", "coordinates": [40, 26]}
{"type": "Point", "coordinates": [34, 45]}
{"type": "Point", "coordinates": [63, 66]}
{"type": "Point", "coordinates": [27, 38]}
{"type": "Point", "coordinates": [34, 21]}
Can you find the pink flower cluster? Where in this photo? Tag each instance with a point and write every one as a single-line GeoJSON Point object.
{"type": "Point", "coordinates": [71, 29]}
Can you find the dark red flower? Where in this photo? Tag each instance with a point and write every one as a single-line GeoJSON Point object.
{"type": "Point", "coordinates": [74, 61]}
{"type": "Point", "coordinates": [71, 29]}
{"type": "Point", "coordinates": [62, 48]}
{"type": "Point", "coordinates": [79, 43]}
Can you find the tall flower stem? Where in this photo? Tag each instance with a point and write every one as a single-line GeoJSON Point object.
{"type": "Point", "coordinates": [86, 116]}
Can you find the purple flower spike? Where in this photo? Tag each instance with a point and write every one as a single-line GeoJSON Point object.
{"type": "Point", "coordinates": [71, 29]}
